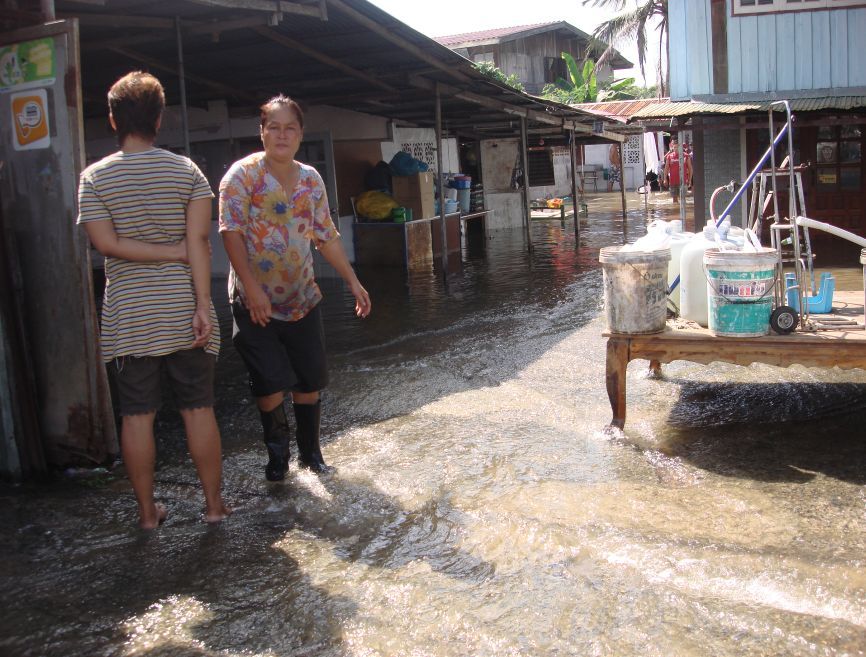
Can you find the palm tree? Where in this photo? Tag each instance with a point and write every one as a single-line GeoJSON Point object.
{"type": "Point", "coordinates": [632, 24]}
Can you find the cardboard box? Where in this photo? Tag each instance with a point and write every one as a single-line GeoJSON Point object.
{"type": "Point", "coordinates": [416, 192]}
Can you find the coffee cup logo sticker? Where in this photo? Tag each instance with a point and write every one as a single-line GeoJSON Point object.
{"type": "Point", "coordinates": [30, 119]}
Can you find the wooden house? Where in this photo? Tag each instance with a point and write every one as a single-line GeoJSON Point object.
{"type": "Point", "coordinates": [729, 59]}
{"type": "Point", "coordinates": [533, 52]}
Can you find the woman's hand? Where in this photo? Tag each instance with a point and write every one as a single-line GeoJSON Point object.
{"type": "Point", "coordinates": [201, 326]}
{"type": "Point", "coordinates": [258, 304]}
{"type": "Point", "coordinates": [363, 306]}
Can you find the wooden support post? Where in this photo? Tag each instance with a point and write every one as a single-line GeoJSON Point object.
{"type": "Point", "coordinates": [439, 184]}
{"type": "Point", "coordinates": [574, 203]}
{"type": "Point", "coordinates": [182, 82]}
{"type": "Point", "coordinates": [622, 182]}
{"type": "Point", "coordinates": [524, 158]}
{"type": "Point", "coordinates": [616, 365]}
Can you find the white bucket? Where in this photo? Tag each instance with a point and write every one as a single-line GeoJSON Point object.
{"type": "Point", "coordinates": [635, 289]}
{"type": "Point", "coordinates": [740, 291]}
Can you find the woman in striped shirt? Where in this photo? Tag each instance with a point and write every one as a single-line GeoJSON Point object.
{"type": "Point", "coordinates": [148, 212]}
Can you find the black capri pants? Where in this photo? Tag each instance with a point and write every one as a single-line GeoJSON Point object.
{"type": "Point", "coordinates": [281, 355]}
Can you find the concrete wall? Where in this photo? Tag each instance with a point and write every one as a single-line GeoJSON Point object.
{"type": "Point", "coordinates": [722, 159]}
{"type": "Point", "coordinates": [498, 157]}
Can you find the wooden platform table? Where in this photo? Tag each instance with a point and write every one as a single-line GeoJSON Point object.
{"type": "Point", "coordinates": [845, 348]}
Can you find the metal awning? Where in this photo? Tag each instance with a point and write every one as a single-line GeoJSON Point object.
{"type": "Point", "coordinates": [342, 53]}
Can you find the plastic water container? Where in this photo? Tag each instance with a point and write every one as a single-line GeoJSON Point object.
{"type": "Point", "coordinates": [740, 291]}
{"type": "Point", "coordinates": [693, 281]}
{"type": "Point", "coordinates": [635, 289]}
{"type": "Point", "coordinates": [678, 242]}
{"type": "Point", "coordinates": [451, 206]}
{"type": "Point", "coordinates": [464, 198]}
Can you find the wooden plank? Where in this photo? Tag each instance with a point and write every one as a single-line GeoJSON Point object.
{"type": "Point", "coordinates": [839, 52]}
{"type": "Point", "coordinates": [735, 64]}
{"type": "Point", "coordinates": [856, 60]}
{"type": "Point", "coordinates": [822, 44]}
{"type": "Point", "coordinates": [313, 53]}
{"type": "Point", "coordinates": [678, 51]}
{"type": "Point", "coordinates": [719, 45]}
{"type": "Point", "coordinates": [172, 68]}
{"type": "Point", "coordinates": [766, 65]}
{"type": "Point", "coordinates": [802, 49]}
{"type": "Point", "coordinates": [698, 30]}
{"type": "Point", "coordinates": [379, 243]}
{"type": "Point", "coordinates": [786, 62]}
{"type": "Point", "coordinates": [273, 6]}
{"type": "Point", "coordinates": [419, 244]}
{"type": "Point", "coordinates": [750, 52]}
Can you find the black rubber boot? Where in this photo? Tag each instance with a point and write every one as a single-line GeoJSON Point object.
{"type": "Point", "coordinates": [278, 439]}
{"type": "Point", "coordinates": [308, 421]}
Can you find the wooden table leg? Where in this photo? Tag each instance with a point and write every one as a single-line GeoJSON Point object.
{"type": "Point", "coordinates": [616, 365]}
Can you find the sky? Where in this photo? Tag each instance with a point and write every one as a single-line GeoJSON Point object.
{"type": "Point", "coordinates": [445, 17]}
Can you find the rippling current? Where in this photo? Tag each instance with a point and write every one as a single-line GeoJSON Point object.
{"type": "Point", "coordinates": [479, 508]}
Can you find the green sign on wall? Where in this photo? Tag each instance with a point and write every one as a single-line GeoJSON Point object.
{"type": "Point", "coordinates": [27, 64]}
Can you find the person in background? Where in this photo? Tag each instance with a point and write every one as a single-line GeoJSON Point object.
{"type": "Point", "coordinates": [148, 212]}
{"type": "Point", "coordinates": [272, 208]}
{"type": "Point", "coordinates": [615, 171]}
{"type": "Point", "coordinates": [671, 175]}
{"type": "Point", "coordinates": [688, 153]}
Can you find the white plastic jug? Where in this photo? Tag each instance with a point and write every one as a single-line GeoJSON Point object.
{"type": "Point", "coordinates": [678, 242]}
{"type": "Point", "coordinates": [693, 282]}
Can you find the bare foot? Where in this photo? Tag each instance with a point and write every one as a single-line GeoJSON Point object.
{"type": "Point", "coordinates": [217, 515]}
{"type": "Point", "coordinates": [154, 518]}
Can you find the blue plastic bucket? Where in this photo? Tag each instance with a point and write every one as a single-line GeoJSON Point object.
{"type": "Point", "coordinates": [739, 291]}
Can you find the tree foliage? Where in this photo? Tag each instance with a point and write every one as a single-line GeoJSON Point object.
{"type": "Point", "coordinates": [632, 25]}
{"type": "Point", "coordinates": [491, 71]}
{"type": "Point", "coordinates": [583, 87]}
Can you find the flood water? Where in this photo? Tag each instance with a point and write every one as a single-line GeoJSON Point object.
{"type": "Point", "coordinates": [479, 508]}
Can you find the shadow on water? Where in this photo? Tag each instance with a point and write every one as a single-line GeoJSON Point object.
{"type": "Point", "coordinates": [787, 431]}
{"type": "Point", "coordinates": [307, 567]}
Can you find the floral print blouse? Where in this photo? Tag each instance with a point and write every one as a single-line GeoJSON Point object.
{"type": "Point", "coordinates": [277, 231]}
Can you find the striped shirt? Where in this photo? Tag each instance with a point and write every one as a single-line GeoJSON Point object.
{"type": "Point", "coordinates": [148, 307]}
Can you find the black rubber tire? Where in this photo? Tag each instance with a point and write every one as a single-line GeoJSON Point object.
{"type": "Point", "coordinates": [784, 319]}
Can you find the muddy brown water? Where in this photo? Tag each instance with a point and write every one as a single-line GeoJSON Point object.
{"type": "Point", "coordinates": [479, 508]}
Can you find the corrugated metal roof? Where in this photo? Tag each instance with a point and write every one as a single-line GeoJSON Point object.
{"type": "Point", "coordinates": [689, 108]}
{"type": "Point", "coordinates": [485, 35]}
{"type": "Point", "coordinates": [663, 108]}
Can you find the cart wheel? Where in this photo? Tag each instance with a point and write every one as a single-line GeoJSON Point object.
{"type": "Point", "coordinates": [784, 320]}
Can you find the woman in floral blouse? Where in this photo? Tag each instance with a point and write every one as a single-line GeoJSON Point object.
{"type": "Point", "coordinates": [272, 208]}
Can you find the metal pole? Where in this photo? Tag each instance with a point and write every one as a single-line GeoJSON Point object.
{"type": "Point", "coordinates": [527, 216]}
{"type": "Point", "coordinates": [646, 186]}
{"type": "Point", "coordinates": [742, 190]}
{"type": "Point", "coordinates": [683, 187]}
{"type": "Point", "coordinates": [439, 184]}
{"type": "Point", "coordinates": [182, 80]}
{"type": "Point", "coordinates": [621, 181]}
{"type": "Point", "coordinates": [574, 190]}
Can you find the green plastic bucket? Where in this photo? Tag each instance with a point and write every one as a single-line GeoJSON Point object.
{"type": "Point", "coordinates": [739, 291]}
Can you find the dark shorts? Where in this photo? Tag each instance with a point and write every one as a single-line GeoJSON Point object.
{"type": "Point", "coordinates": [190, 372]}
{"type": "Point", "coordinates": [282, 355]}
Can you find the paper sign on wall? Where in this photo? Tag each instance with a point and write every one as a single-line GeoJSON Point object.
{"type": "Point", "coordinates": [30, 120]}
{"type": "Point", "coordinates": [26, 65]}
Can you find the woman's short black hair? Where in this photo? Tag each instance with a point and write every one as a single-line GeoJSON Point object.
{"type": "Point", "coordinates": [280, 101]}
